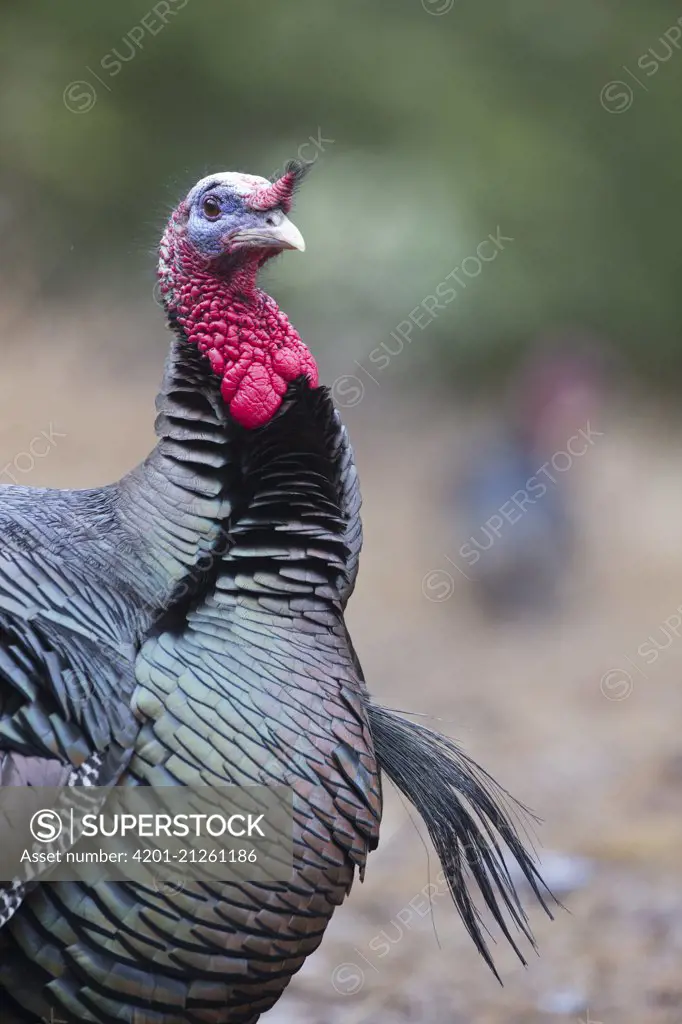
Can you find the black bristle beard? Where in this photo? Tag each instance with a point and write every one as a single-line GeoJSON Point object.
{"type": "Point", "coordinates": [461, 806]}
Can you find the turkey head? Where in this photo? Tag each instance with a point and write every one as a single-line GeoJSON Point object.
{"type": "Point", "coordinates": [216, 241]}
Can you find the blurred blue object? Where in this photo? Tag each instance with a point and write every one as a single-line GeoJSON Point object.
{"type": "Point", "coordinates": [515, 498]}
{"type": "Point", "coordinates": [518, 527]}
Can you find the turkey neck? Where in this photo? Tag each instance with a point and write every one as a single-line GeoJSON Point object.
{"type": "Point", "coordinates": [287, 556]}
{"type": "Point", "coordinates": [177, 499]}
{"type": "Point", "coordinates": [230, 336]}
{"type": "Point", "coordinates": [249, 342]}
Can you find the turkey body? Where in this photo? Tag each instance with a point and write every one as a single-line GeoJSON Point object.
{"type": "Point", "coordinates": [85, 574]}
{"type": "Point", "coordinates": [83, 577]}
{"type": "Point", "coordinates": [259, 685]}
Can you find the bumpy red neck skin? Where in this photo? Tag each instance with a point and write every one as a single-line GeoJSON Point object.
{"type": "Point", "coordinates": [248, 340]}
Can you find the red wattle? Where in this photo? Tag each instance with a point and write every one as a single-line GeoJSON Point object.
{"type": "Point", "coordinates": [248, 340]}
{"type": "Point", "coordinates": [258, 396]}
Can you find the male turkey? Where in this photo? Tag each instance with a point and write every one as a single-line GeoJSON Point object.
{"type": "Point", "coordinates": [249, 675]}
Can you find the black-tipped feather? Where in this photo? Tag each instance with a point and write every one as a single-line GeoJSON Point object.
{"type": "Point", "coordinates": [460, 805]}
{"type": "Point", "coordinates": [300, 169]}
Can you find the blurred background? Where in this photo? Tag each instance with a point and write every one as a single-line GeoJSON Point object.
{"type": "Point", "coordinates": [492, 289]}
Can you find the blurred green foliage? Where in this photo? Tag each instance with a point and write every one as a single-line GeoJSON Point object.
{"type": "Point", "coordinates": [448, 120]}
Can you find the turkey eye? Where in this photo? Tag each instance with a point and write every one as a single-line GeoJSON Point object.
{"type": "Point", "coordinates": [211, 208]}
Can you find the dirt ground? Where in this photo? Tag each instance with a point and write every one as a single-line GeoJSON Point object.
{"type": "Point", "coordinates": [564, 711]}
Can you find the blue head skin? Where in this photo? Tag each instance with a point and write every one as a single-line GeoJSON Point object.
{"type": "Point", "coordinates": [209, 257]}
{"type": "Point", "coordinates": [225, 216]}
{"type": "Point", "coordinates": [228, 226]}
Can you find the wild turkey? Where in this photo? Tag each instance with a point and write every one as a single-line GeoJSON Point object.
{"type": "Point", "coordinates": [249, 673]}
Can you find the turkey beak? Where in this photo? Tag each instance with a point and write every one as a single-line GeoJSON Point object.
{"type": "Point", "coordinates": [277, 232]}
{"type": "Point", "coordinates": [287, 236]}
